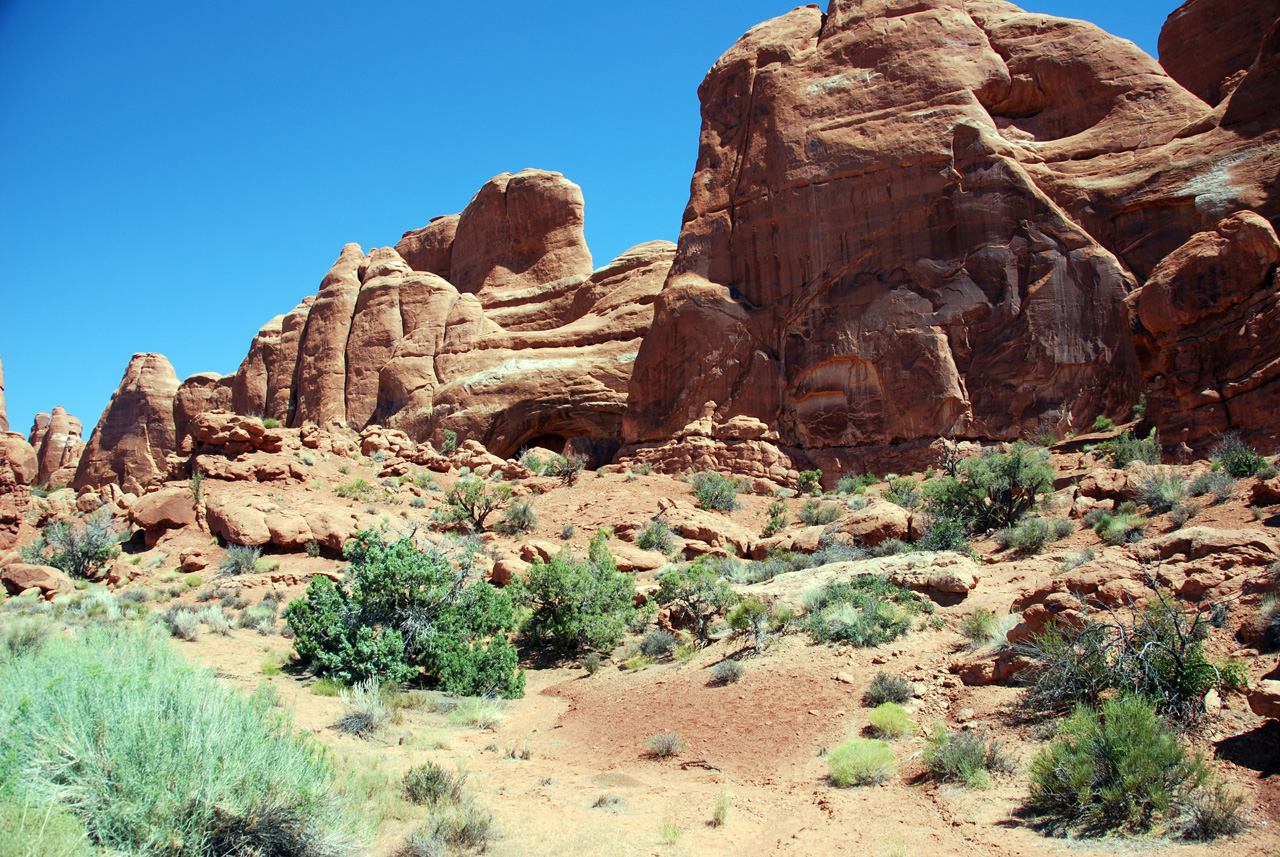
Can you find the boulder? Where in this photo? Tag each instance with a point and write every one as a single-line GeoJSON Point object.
{"type": "Point", "coordinates": [136, 433]}
{"type": "Point", "coordinates": [20, 576]}
{"type": "Point", "coordinates": [1264, 699]}
{"type": "Point", "coordinates": [944, 573]}
{"type": "Point", "coordinates": [204, 391]}
{"type": "Point", "coordinates": [168, 508]}
{"type": "Point", "coordinates": [880, 521]}
{"type": "Point", "coordinates": [506, 570]}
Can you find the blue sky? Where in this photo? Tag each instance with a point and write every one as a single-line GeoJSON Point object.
{"type": "Point", "coordinates": [173, 174]}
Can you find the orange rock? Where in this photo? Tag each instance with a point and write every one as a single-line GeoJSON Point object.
{"type": "Point", "coordinates": [20, 576]}
{"type": "Point", "coordinates": [136, 432]}
{"type": "Point", "coordinates": [167, 508]}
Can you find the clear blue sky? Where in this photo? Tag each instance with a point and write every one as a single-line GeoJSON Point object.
{"type": "Point", "coordinates": [173, 174]}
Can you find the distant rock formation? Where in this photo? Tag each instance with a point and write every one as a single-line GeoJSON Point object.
{"type": "Point", "coordinates": [4, 417]}
{"type": "Point", "coordinates": [58, 444]}
{"type": "Point", "coordinates": [136, 431]}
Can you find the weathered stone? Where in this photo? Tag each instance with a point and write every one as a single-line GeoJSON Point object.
{"type": "Point", "coordinates": [167, 508]}
{"type": "Point", "coordinates": [20, 576]}
{"type": "Point", "coordinates": [136, 433]}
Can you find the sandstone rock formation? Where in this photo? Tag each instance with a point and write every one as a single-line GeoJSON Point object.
{"type": "Point", "coordinates": [1207, 45]}
{"type": "Point", "coordinates": [1207, 327]}
{"type": "Point", "coordinates": [914, 222]}
{"type": "Point", "coordinates": [136, 431]}
{"type": "Point", "coordinates": [4, 416]}
{"type": "Point", "coordinates": [58, 444]}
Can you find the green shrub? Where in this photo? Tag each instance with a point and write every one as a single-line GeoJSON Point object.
{"type": "Point", "coordinates": [866, 611]}
{"type": "Point", "coordinates": [432, 784]}
{"type": "Point", "coordinates": [713, 491]}
{"type": "Point", "coordinates": [1123, 770]}
{"type": "Point", "coordinates": [890, 721]}
{"type": "Point", "coordinates": [664, 745]}
{"type": "Point", "coordinates": [25, 637]}
{"type": "Point", "coordinates": [944, 534]}
{"type": "Point", "coordinates": [657, 643]}
{"type": "Point", "coordinates": [270, 423]}
{"type": "Point", "coordinates": [750, 616]}
{"type": "Point", "coordinates": [591, 663]}
{"type": "Point", "coordinates": [810, 482]}
{"type": "Point", "coordinates": [777, 519]}
{"type": "Point", "coordinates": [1127, 448]}
{"type": "Point", "coordinates": [856, 484]}
{"type": "Point", "coordinates": [889, 687]}
{"type": "Point", "coordinates": [728, 672]}
{"type": "Point", "coordinates": [567, 468]}
{"type": "Point", "coordinates": [1157, 653]}
{"type": "Point", "coordinates": [470, 502]}
{"type": "Point", "coordinates": [356, 489]}
{"type": "Point", "coordinates": [963, 756]}
{"type": "Point", "coordinates": [1161, 490]}
{"type": "Point", "coordinates": [1104, 424]}
{"type": "Point", "coordinates": [977, 627]}
{"type": "Point", "coordinates": [1221, 484]}
{"type": "Point", "coordinates": [518, 518]}
{"type": "Point", "coordinates": [578, 604]}
{"type": "Point", "coordinates": [700, 590]}
{"type": "Point", "coordinates": [1030, 536]}
{"type": "Point", "coordinates": [992, 490]}
{"type": "Point", "coordinates": [364, 711]}
{"type": "Point", "coordinates": [1237, 458]}
{"type": "Point", "coordinates": [568, 531]}
{"type": "Point", "coordinates": [905, 493]}
{"type": "Point", "coordinates": [156, 758]}
{"type": "Point", "coordinates": [861, 762]}
{"type": "Point", "coordinates": [450, 445]}
{"type": "Point", "coordinates": [656, 536]}
{"type": "Point", "coordinates": [406, 609]}
{"type": "Point", "coordinates": [815, 513]}
{"type": "Point", "coordinates": [1120, 528]}
{"type": "Point", "coordinates": [82, 548]}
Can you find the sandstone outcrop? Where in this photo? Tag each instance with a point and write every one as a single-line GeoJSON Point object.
{"type": "Point", "coordinates": [1208, 45]}
{"type": "Point", "coordinates": [18, 470]}
{"type": "Point", "coordinates": [21, 577]}
{"type": "Point", "coordinates": [58, 444]}
{"type": "Point", "coordinates": [1207, 329]}
{"type": "Point", "coordinates": [4, 416]}
{"type": "Point", "coordinates": [136, 432]}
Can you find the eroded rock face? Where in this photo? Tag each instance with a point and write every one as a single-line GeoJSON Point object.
{"type": "Point", "coordinates": [1207, 326]}
{"type": "Point", "coordinates": [136, 431]}
{"type": "Point", "coordinates": [1207, 45]}
{"type": "Point", "coordinates": [865, 260]}
{"type": "Point", "coordinates": [58, 444]}
{"type": "Point", "coordinates": [4, 416]}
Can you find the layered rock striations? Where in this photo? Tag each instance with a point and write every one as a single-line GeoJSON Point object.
{"type": "Point", "coordinates": [136, 432]}
{"type": "Point", "coordinates": [58, 444]}
{"type": "Point", "coordinates": [919, 220]}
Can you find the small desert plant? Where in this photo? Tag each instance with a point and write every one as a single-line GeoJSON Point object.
{"type": "Point", "coordinates": [1126, 448]}
{"type": "Point", "coordinates": [519, 517]}
{"type": "Point", "coordinates": [470, 502]}
{"type": "Point", "coordinates": [866, 611]}
{"type": "Point", "coordinates": [814, 513]}
{"type": "Point", "coordinates": [450, 445]}
{"type": "Point", "coordinates": [777, 518]}
{"type": "Point", "coordinates": [664, 745]}
{"type": "Point", "coordinates": [1119, 528]}
{"type": "Point", "coordinates": [700, 590]}
{"type": "Point", "coordinates": [326, 687]}
{"type": "Point", "coordinates": [976, 627]}
{"type": "Point", "coordinates": [1221, 484]}
{"type": "Point", "coordinates": [1076, 559]}
{"type": "Point", "coordinates": [1237, 458]}
{"type": "Point", "coordinates": [568, 531]}
{"type": "Point", "coordinates": [944, 533]}
{"type": "Point", "coordinates": [26, 637]}
{"type": "Point", "coordinates": [432, 784]}
{"type": "Point", "coordinates": [889, 687]}
{"type": "Point", "coordinates": [80, 548]}
{"type": "Point", "coordinates": [713, 491]}
{"type": "Point", "coordinates": [216, 620]}
{"type": "Point", "coordinates": [183, 624]}
{"type": "Point", "coordinates": [1031, 535]}
{"type": "Point", "coordinates": [365, 711]}
{"type": "Point", "coordinates": [656, 536]}
{"type": "Point", "coordinates": [637, 663]}
{"type": "Point", "coordinates": [810, 482]}
{"type": "Point", "coordinates": [905, 493]}
{"type": "Point", "coordinates": [861, 762]}
{"type": "Point", "coordinates": [720, 811]}
{"type": "Point", "coordinates": [657, 643]}
{"type": "Point", "coordinates": [963, 756]}
{"type": "Point", "coordinates": [1104, 424]}
{"type": "Point", "coordinates": [1121, 769]}
{"type": "Point", "coordinates": [481, 712]}
{"type": "Point", "coordinates": [239, 559]}
{"type": "Point", "coordinates": [856, 484]}
{"type": "Point", "coordinates": [313, 547]}
{"type": "Point", "coordinates": [567, 468]}
{"type": "Point", "coordinates": [728, 672]}
{"type": "Point", "coordinates": [270, 423]}
{"type": "Point", "coordinates": [577, 603]}
{"type": "Point", "coordinates": [591, 663]}
{"type": "Point", "coordinates": [1161, 489]}
{"type": "Point", "coordinates": [890, 721]}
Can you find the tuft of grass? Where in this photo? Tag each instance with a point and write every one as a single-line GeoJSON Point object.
{"type": "Point", "coordinates": [720, 810]}
{"type": "Point", "coordinates": [890, 721]}
{"type": "Point", "coordinates": [656, 536]}
{"type": "Point", "coordinates": [1221, 484]}
{"type": "Point", "coordinates": [815, 513]}
{"type": "Point", "coordinates": [638, 662]}
{"type": "Point", "coordinates": [184, 760]}
{"type": "Point", "coordinates": [1161, 490]}
{"type": "Point", "coordinates": [963, 757]}
{"type": "Point", "coordinates": [327, 687]}
{"type": "Point", "coordinates": [26, 637]}
{"type": "Point", "coordinates": [481, 712]}
{"type": "Point", "coordinates": [977, 627]}
{"type": "Point", "coordinates": [1104, 424]}
{"type": "Point", "coordinates": [664, 745]}
{"type": "Point", "coordinates": [728, 672]}
{"type": "Point", "coordinates": [861, 762]}
{"type": "Point", "coordinates": [568, 531]}
{"type": "Point", "coordinates": [365, 711]}
{"type": "Point", "coordinates": [657, 643]}
{"type": "Point", "coordinates": [518, 518]}
{"type": "Point", "coordinates": [1239, 459]}
{"type": "Point", "coordinates": [239, 559]}
{"type": "Point", "coordinates": [889, 687]}
{"type": "Point", "coordinates": [41, 830]}
{"type": "Point", "coordinates": [686, 652]}
{"type": "Point", "coordinates": [591, 663]}
{"type": "Point", "coordinates": [1120, 528]}
{"type": "Point", "coordinates": [715, 492]}
{"type": "Point", "coordinates": [433, 784]}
